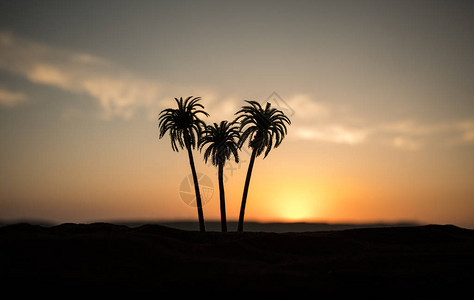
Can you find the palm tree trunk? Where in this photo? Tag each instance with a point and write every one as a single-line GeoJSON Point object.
{"type": "Point", "coordinates": [222, 197]}
{"type": "Point", "coordinates": [202, 227]}
{"type": "Point", "coordinates": [246, 189]}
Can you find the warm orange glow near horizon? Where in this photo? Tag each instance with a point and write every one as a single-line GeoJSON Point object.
{"type": "Point", "coordinates": [297, 208]}
{"type": "Point", "coordinates": [294, 202]}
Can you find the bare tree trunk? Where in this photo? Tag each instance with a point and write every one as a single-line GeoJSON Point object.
{"type": "Point", "coordinates": [202, 226]}
{"type": "Point", "coordinates": [246, 189]}
{"type": "Point", "coordinates": [222, 198]}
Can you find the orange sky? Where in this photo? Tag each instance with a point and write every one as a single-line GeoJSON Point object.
{"type": "Point", "coordinates": [380, 98]}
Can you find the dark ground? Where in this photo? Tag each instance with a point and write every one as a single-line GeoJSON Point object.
{"type": "Point", "coordinates": [431, 261]}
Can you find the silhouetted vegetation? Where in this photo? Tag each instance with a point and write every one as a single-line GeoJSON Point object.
{"type": "Point", "coordinates": [185, 129]}
{"type": "Point", "coordinates": [264, 128]}
{"type": "Point", "coordinates": [221, 142]}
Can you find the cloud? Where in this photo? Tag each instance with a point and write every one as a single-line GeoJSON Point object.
{"type": "Point", "coordinates": [408, 135]}
{"type": "Point", "coordinates": [334, 134]}
{"type": "Point", "coordinates": [406, 143]}
{"type": "Point", "coordinates": [119, 93]}
{"type": "Point", "coordinates": [318, 121]}
{"type": "Point", "coordinates": [308, 109]}
{"type": "Point", "coordinates": [300, 106]}
{"type": "Point", "coordinates": [410, 127]}
{"type": "Point", "coordinates": [52, 75]}
{"type": "Point", "coordinates": [10, 98]}
{"type": "Point", "coordinates": [466, 129]}
{"type": "Point", "coordinates": [412, 135]}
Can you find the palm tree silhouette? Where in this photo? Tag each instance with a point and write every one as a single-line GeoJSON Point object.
{"type": "Point", "coordinates": [221, 142]}
{"type": "Point", "coordinates": [185, 129]}
{"type": "Point", "coordinates": [265, 128]}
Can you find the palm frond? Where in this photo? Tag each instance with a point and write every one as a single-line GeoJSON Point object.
{"type": "Point", "coordinates": [221, 142]}
{"type": "Point", "coordinates": [182, 123]}
{"type": "Point", "coordinates": [264, 128]}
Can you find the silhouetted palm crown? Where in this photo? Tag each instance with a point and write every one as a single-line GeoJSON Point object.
{"type": "Point", "coordinates": [183, 123]}
{"type": "Point", "coordinates": [265, 128]}
{"type": "Point", "coordinates": [221, 141]}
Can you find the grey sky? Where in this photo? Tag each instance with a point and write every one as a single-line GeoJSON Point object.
{"type": "Point", "coordinates": [370, 49]}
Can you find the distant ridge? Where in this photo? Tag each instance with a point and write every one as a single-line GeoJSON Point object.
{"type": "Point", "coordinates": [276, 227]}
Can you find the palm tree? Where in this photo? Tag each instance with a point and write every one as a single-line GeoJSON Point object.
{"type": "Point", "coordinates": [265, 128]}
{"type": "Point", "coordinates": [221, 142]}
{"type": "Point", "coordinates": [185, 129]}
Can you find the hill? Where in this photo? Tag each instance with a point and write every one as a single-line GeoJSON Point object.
{"type": "Point", "coordinates": [414, 261]}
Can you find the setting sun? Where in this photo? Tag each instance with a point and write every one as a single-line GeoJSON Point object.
{"type": "Point", "coordinates": [296, 210]}
{"type": "Point", "coordinates": [294, 205]}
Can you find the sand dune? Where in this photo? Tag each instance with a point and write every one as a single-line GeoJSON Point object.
{"type": "Point", "coordinates": [415, 261]}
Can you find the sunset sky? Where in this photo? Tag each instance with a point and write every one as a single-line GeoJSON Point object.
{"type": "Point", "coordinates": [380, 94]}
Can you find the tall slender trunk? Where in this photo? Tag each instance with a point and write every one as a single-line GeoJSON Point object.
{"type": "Point", "coordinates": [246, 189]}
{"type": "Point", "coordinates": [222, 197]}
{"type": "Point", "coordinates": [202, 227]}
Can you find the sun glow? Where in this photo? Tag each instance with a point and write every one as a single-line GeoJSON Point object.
{"type": "Point", "coordinates": [296, 207]}
{"type": "Point", "coordinates": [296, 211]}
